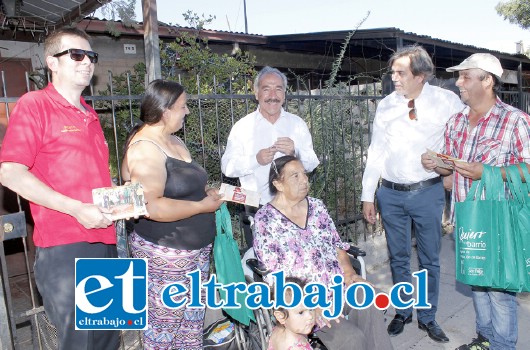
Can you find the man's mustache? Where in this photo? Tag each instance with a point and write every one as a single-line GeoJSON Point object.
{"type": "Point", "coordinates": [275, 100]}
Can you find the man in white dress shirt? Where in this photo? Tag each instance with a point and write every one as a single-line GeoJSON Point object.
{"type": "Point", "coordinates": [407, 122]}
{"type": "Point", "coordinates": [266, 134]}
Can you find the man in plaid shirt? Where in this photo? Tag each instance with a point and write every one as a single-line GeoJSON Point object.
{"type": "Point", "coordinates": [490, 132]}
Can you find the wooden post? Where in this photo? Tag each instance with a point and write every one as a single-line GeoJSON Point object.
{"type": "Point", "coordinates": [151, 43]}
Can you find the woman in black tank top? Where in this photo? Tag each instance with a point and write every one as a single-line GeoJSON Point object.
{"type": "Point", "coordinates": [178, 234]}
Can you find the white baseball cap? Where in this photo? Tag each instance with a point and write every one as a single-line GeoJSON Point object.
{"type": "Point", "coordinates": [485, 61]}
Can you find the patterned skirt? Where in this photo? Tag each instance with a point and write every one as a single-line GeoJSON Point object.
{"type": "Point", "coordinates": [180, 328]}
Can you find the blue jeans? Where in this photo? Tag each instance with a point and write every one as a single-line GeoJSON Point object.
{"type": "Point", "coordinates": [423, 208]}
{"type": "Point", "coordinates": [496, 317]}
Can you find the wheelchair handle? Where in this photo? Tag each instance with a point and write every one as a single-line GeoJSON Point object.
{"type": "Point", "coordinates": [355, 251]}
{"type": "Point", "coordinates": [256, 267]}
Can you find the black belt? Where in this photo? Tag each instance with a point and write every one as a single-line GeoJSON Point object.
{"type": "Point", "coordinates": [411, 187]}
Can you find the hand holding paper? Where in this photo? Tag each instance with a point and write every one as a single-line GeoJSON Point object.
{"type": "Point", "coordinates": [443, 160]}
{"type": "Point", "coordinates": [122, 202]}
{"type": "Point", "coordinates": [239, 195]}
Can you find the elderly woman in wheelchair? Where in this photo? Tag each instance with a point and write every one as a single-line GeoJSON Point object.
{"type": "Point", "coordinates": [295, 234]}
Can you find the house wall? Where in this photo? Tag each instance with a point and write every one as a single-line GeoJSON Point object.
{"type": "Point", "coordinates": [17, 49]}
{"type": "Point", "coordinates": [121, 54]}
{"type": "Point", "coordinates": [118, 55]}
{"type": "Point", "coordinates": [115, 55]}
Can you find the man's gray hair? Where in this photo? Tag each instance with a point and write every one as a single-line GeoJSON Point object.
{"type": "Point", "coordinates": [420, 60]}
{"type": "Point", "coordinates": [267, 70]}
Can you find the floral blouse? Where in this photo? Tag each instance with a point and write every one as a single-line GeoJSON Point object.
{"type": "Point", "coordinates": [306, 252]}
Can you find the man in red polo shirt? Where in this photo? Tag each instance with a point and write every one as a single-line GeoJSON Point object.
{"type": "Point", "coordinates": [53, 154]}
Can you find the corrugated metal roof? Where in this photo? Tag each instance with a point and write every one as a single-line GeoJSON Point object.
{"type": "Point", "coordinates": [377, 43]}
{"type": "Point", "coordinates": [40, 15]}
{"type": "Point", "coordinates": [380, 43]}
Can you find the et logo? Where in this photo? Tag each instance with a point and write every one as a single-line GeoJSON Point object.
{"type": "Point", "coordinates": [110, 294]}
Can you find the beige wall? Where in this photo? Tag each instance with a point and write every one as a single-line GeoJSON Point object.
{"type": "Point", "coordinates": [113, 57]}
{"type": "Point", "coordinates": [17, 49]}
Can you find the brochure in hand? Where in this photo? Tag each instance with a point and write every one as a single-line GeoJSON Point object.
{"type": "Point", "coordinates": [125, 201]}
{"type": "Point", "coordinates": [239, 195]}
{"type": "Point", "coordinates": [443, 160]}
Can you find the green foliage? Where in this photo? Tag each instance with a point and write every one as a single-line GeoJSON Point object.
{"type": "Point", "coordinates": [195, 21]}
{"type": "Point", "coordinates": [338, 61]}
{"type": "Point", "coordinates": [190, 61]}
{"type": "Point", "coordinates": [184, 60]}
{"type": "Point", "coordinates": [189, 57]}
{"type": "Point", "coordinates": [339, 122]}
{"type": "Point", "coordinates": [339, 126]}
{"type": "Point", "coordinates": [118, 10]}
{"type": "Point", "coordinates": [516, 12]}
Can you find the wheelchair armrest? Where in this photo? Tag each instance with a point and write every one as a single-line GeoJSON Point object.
{"type": "Point", "coordinates": [256, 267]}
{"type": "Point", "coordinates": [356, 258]}
{"type": "Point", "coordinates": [245, 218]}
{"type": "Point", "coordinates": [355, 251]}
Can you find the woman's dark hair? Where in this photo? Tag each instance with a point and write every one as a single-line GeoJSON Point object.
{"type": "Point", "coordinates": [159, 96]}
{"type": "Point", "coordinates": [275, 172]}
{"type": "Point", "coordinates": [298, 281]}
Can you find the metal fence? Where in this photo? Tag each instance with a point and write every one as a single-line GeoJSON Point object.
{"type": "Point", "coordinates": [339, 119]}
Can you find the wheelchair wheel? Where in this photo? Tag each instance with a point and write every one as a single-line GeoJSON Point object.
{"type": "Point", "coordinates": [262, 329]}
{"type": "Point", "coordinates": [264, 324]}
{"type": "Point", "coordinates": [242, 340]}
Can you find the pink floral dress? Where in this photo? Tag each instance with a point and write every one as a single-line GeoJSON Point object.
{"type": "Point", "coordinates": [305, 252]}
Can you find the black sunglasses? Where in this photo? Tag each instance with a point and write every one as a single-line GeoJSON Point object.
{"type": "Point", "coordinates": [78, 55]}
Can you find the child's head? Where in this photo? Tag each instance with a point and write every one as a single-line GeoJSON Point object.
{"type": "Point", "coordinates": [299, 319]}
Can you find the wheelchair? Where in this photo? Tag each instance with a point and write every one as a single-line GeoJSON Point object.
{"type": "Point", "coordinates": [264, 318]}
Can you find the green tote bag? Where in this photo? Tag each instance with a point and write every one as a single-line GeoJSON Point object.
{"type": "Point", "coordinates": [479, 224]}
{"type": "Point", "coordinates": [521, 192]}
{"type": "Point", "coordinates": [228, 267]}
